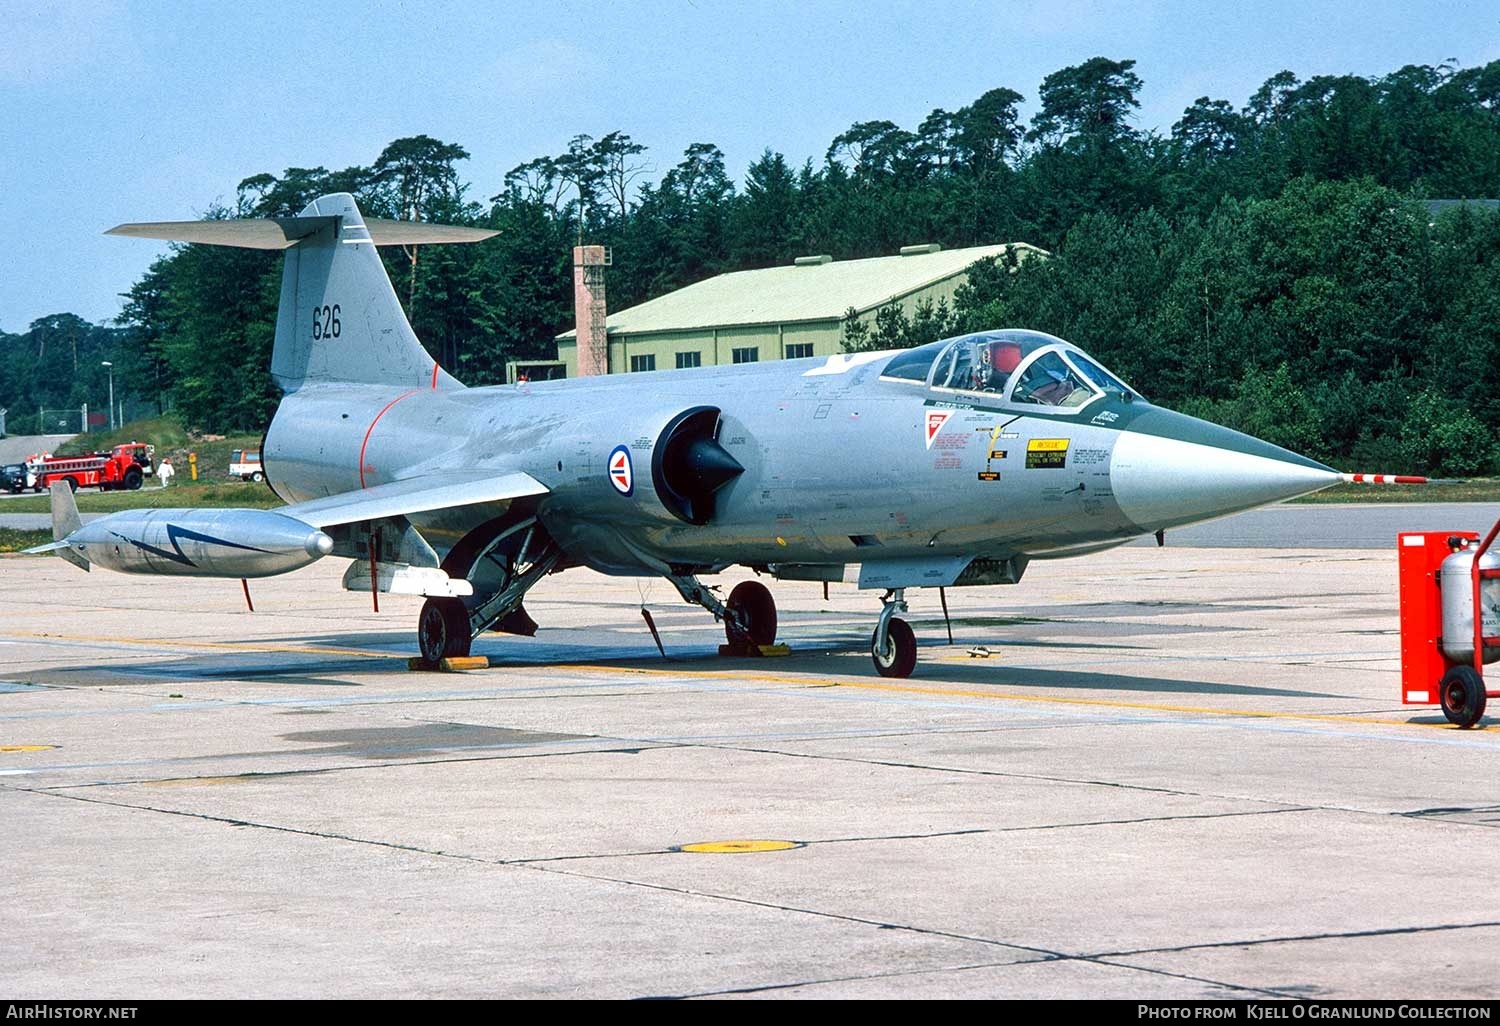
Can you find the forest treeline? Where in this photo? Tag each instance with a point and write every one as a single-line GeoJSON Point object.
{"type": "Point", "coordinates": [1270, 264]}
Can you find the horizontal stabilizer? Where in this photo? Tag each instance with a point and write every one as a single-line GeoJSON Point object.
{"type": "Point", "coordinates": [285, 232]}
{"type": "Point", "coordinates": [62, 549]}
{"type": "Point", "coordinates": [414, 495]}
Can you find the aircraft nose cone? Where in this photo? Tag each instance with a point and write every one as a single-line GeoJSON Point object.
{"type": "Point", "coordinates": [318, 544]}
{"type": "Point", "coordinates": [1169, 469]}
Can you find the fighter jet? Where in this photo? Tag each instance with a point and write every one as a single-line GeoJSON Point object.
{"type": "Point", "coordinates": [954, 464]}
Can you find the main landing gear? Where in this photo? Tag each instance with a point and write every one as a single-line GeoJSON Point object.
{"type": "Point", "coordinates": [749, 616]}
{"type": "Point", "coordinates": [502, 570]}
{"type": "Point", "coordinates": [750, 621]}
{"type": "Point", "coordinates": [893, 646]}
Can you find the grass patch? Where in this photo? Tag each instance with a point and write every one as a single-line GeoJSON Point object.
{"type": "Point", "coordinates": [1481, 489]}
{"type": "Point", "coordinates": [12, 540]}
{"type": "Point", "coordinates": [218, 495]}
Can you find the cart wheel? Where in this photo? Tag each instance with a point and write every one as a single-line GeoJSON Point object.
{"type": "Point", "coordinates": [1462, 693]}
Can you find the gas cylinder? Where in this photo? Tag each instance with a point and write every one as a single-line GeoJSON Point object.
{"type": "Point", "coordinates": [1455, 579]}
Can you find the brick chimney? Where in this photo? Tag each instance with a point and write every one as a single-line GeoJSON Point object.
{"type": "Point", "coordinates": [589, 263]}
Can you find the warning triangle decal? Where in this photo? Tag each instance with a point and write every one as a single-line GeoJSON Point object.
{"type": "Point", "coordinates": [935, 421]}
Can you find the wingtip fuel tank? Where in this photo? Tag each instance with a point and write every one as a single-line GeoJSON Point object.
{"type": "Point", "coordinates": [196, 542]}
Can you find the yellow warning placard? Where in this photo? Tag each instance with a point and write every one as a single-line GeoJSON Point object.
{"type": "Point", "coordinates": [1047, 454]}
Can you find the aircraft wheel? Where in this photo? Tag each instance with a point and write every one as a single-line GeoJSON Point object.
{"type": "Point", "coordinates": [900, 656]}
{"type": "Point", "coordinates": [757, 609]}
{"type": "Point", "coordinates": [443, 629]}
{"type": "Point", "coordinates": [133, 478]}
{"type": "Point", "coordinates": [1462, 694]}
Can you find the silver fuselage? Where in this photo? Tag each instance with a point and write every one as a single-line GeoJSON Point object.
{"type": "Point", "coordinates": [840, 465]}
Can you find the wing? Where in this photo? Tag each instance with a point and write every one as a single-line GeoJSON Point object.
{"type": "Point", "coordinates": [413, 495]}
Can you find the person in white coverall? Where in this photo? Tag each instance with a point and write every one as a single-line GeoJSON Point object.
{"type": "Point", "coordinates": [165, 472]}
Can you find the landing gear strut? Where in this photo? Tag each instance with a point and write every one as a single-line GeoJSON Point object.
{"type": "Point", "coordinates": [749, 616]}
{"type": "Point", "coordinates": [502, 570]}
{"type": "Point", "coordinates": [893, 646]}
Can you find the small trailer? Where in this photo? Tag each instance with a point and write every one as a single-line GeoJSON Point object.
{"type": "Point", "coordinates": [1445, 576]}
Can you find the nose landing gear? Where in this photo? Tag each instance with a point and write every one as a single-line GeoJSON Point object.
{"type": "Point", "coordinates": [893, 646]}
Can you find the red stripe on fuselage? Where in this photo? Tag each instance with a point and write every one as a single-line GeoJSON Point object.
{"type": "Point", "coordinates": [434, 375]}
{"type": "Point", "coordinates": [371, 429]}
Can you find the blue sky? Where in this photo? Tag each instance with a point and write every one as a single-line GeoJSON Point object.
{"type": "Point", "coordinates": [115, 111]}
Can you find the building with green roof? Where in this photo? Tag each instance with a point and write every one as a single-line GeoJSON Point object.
{"type": "Point", "coordinates": [778, 313]}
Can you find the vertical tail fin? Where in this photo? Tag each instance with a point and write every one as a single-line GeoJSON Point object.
{"type": "Point", "coordinates": [339, 319]}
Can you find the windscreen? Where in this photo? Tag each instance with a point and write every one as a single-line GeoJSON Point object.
{"type": "Point", "coordinates": [1049, 381]}
{"type": "Point", "coordinates": [913, 364]}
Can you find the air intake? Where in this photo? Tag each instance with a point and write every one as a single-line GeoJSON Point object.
{"type": "Point", "coordinates": [688, 465]}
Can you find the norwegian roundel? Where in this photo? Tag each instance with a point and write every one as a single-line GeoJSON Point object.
{"type": "Point", "coordinates": [621, 474]}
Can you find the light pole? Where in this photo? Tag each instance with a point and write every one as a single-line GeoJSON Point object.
{"type": "Point", "coordinates": [111, 366]}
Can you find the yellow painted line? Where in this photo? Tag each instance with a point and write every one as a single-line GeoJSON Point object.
{"type": "Point", "coordinates": [809, 682]}
{"type": "Point", "coordinates": [737, 847]}
{"type": "Point", "coordinates": [26, 748]}
{"type": "Point", "coordinates": [37, 610]}
{"type": "Point", "coordinates": [941, 692]}
{"type": "Point", "coordinates": [233, 646]}
{"type": "Point", "coordinates": [196, 781]}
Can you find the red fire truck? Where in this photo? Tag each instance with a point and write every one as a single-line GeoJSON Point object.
{"type": "Point", "coordinates": [125, 466]}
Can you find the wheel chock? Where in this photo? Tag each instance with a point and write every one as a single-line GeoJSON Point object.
{"type": "Point", "coordinates": [450, 664]}
{"type": "Point", "coordinates": [756, 651]}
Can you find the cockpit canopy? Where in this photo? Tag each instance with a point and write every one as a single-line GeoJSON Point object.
{"type": "Point", "coordinates": [1012, 365]}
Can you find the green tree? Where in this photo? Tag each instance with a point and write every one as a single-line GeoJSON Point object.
{"type": "Point", "coordinates": [415, 176]}
{"type": "Point", "coordinates": [765, 227]}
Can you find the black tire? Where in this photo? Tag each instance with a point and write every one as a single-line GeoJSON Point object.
{"type": "Point", "coordinates": [755, 607]}
{"type": "Point", "coordinates": [257, 477]}
{"type": "Point", "coordinates": [900, 657]}
{"type": "Point", "coordinates": [1461, 692]}
{"type": "Point", "coordinates": [73, 483]}
{"type": "Point", "coordinates": [443, 629]}
{"type": "Point", "coordinates": [133, 479]}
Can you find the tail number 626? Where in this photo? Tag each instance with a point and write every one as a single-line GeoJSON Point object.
{"type": "Point", "coordinates": [326, 321]}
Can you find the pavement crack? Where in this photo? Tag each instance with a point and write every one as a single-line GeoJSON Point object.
{"type": "Point", "coordinates": [1011, 775]}
{"type": "Point", "coordinates": [1043, 954]}
{"type": "Point", "coordinates": [1390, 931]}
{"type": "Point", "coordinates": [777, 906]}
{"type": "Point", "coordinates": [277, 828]}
